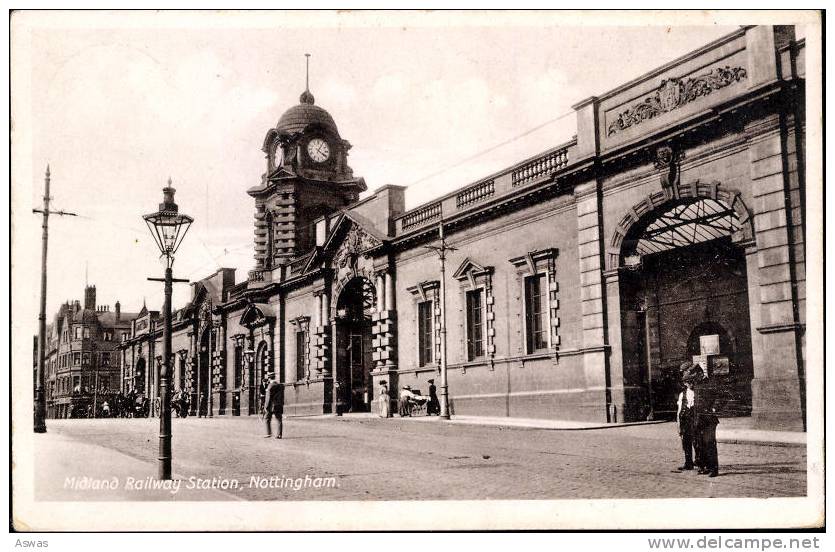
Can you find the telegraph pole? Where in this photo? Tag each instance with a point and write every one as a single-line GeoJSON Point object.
{"type": "Point", "coordinates": [441, 251]}
{"type": "Point", "coordinates": [40, 398]}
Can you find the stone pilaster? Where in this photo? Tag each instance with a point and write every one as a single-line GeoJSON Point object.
{"type": "Point", "coordinates": [777, 387]}
{"type": "Point", "coordinates": [595, 362]}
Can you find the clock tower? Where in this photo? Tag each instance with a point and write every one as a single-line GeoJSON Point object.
{"type": "Point", "coordinates": [307, 177]}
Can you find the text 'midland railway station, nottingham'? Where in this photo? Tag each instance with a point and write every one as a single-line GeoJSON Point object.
{"type": "Point", "coordinates": [671, 226]}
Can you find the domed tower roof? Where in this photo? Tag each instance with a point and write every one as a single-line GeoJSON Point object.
{"type": "Point", "coordinates": [299, 117]}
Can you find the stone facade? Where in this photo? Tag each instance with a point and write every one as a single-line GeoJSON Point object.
{"type": "Point", "coordinates": [580, 278]}
{"type": "Point", "coordinates": [82, 357]}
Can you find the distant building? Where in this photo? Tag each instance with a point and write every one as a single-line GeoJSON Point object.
{"type": "Point", "coordinates": [671, 227]}
{"type": "Point", "coordinates": [82, 357]}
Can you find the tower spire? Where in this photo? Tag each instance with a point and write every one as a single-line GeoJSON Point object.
{"type": "Point", "coordinates": [307, 72]}
{"type": "Point", "coordinates": [306, 97]}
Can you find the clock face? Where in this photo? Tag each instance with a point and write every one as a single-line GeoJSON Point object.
{"type": "Point", "coordinates": [318, 150]}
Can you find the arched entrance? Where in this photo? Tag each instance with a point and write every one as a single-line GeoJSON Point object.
{"type": "Point", "coordinates": [684, 294]}
{"type": "Point", "coordinates": [203, 377]}
{"type": "Point", "coordinates": [356, 304]}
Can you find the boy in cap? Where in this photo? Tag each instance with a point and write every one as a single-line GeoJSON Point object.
{"type": "Point", "coordinates": [686, 417]}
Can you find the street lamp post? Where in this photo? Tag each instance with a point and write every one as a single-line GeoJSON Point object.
{"type": "Point", "coordinates": [168, 227]}
{"type": "Point", "coordinates": [441, 251]}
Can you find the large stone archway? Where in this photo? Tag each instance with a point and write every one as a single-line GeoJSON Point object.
{"type": "Point", "coordinates": [354, 310]}
{"type": "Point", "coordinates": [682, 270]}
{"type": "Point", "coordinates": [640, 213]}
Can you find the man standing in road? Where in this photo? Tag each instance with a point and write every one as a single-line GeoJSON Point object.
{"type": "Point", "coordinates": [686, 417]}
{"type": "Point", "coordinates": [707, 402]}
{"type": "Point", "coordinates": [274, 406]}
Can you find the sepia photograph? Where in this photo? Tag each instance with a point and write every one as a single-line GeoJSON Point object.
{"type": "Point", "coordinates": [416, 270]}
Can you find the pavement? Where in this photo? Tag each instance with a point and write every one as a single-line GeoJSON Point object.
{"type": "Point", "coordinates": [730, 430]}
{"type": "Point", "coordinates": [369, 458]}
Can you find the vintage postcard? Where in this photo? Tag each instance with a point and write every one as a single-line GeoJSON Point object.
{"type": "Point", "coordinates": [416, 270]}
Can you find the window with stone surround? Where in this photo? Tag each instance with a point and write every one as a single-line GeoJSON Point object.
{"type": "Point", "coordinates": [475, 324]}
{"type": "Point", "coordinates": [537, 301]}
{"type": "Point", "coordinates": [301, 355]}
{"type": "Point", "coordinates": [78, 332]}
{"type": "Point", "coordinates": [425, 317]}
{"type": "Point", "coordinates": [479, 315]}
{"type": "Point", "coordinates": [427, 321]}
{"type": "Point", "coordinates": [239, 365]}
{"type": "Point", "coordinates": [76, 359]}
{"type": "Point", "coordinates": [536, 313]}
{"type": "Point", "coordinates": [302, 325]}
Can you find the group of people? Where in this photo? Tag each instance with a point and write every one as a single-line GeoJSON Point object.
{"type": "Point", "coordinates": [408, 400]}
{"type": "Point", "coordinates": [698, 404]}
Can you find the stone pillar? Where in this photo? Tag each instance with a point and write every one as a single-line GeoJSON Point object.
{"type": "Point", "coordinates": [778, 392]}
{"type": "Point", "coordinates": [379, 288]}
{"type": "Point", "coordinates": [332, 374]}
{"type": "Point", "coordinates": [247, 396]}
{"type": "Point", "coordinates": [389, 283]}
{"type": "Point", "coordinates": [326, 307]}
{"type": "Point", "coordinates": [317, 318]}
{"type": "Point", "coordinates": [597, 377]}
{"type": "Point", "coordinates": [622, 398]}
{"type": "Point", "coordinates": [384, 337]}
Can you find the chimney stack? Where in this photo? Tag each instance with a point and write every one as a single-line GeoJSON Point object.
{"type": "Point", "coordinates": [90, 297]}
{"type": "Point", "coordinates": [118, 310]}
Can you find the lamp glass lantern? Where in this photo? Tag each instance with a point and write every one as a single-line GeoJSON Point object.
{"type": "Point", "coordinates": [168, 227]}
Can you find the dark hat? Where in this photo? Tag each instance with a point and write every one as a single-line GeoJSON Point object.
{"type": "Point", "coordinates": [685, 366]}
{"type": "Point", "coordinates": [383, 382]}
{"type": "Point", "coordinates": [431, 381]}
{"type": "Point", "coordinates": [407, 387]}
{"type": "Point", "coordinates": [692, 375]}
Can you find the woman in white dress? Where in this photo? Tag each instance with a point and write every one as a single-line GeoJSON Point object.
{"type": "Point", "coordinates": [384, 406]}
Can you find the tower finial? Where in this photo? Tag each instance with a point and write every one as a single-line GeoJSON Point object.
{"type": "Point", "coordinates": [306, 97]}
{"type": "Point", "coordinates": [307, 72]}
{"type": "Point", "coordinates": [47, 170]}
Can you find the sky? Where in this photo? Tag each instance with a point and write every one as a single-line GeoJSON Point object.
{"type": "Point", "coordinates": [117, 103]}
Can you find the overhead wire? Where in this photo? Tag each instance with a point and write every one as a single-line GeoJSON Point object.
{"type": "Point", "coordinates": [491, 148]}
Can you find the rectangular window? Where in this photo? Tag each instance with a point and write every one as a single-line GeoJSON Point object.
{"type": "Point", "coordinates": [425, 333]}
{"type": "Point", "coordinates": [239, 364]}
{"type": "Point", "coordinates": [86, 333]}
{"type": "Point", "coordinates": [475, 325]}
{"type": "Point", "coordinates": [76, 359]}
{"type": "Point", "coordinates": [78, 332]}
{"type": "Point", "coordinates": [536, 313]}
{"type": "Point", "coordinates": [86, 359]}
{"type": "Point", "coordinates": [105, 359]}
{"type": "Point", "coordinates": [301, 350]}
{"type": "Point", "coordinates": [76, 383]}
